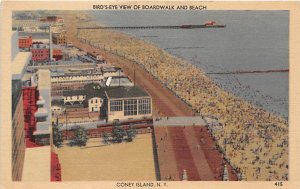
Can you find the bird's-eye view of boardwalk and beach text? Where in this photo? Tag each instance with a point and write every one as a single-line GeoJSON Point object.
{"type": "Point", "coordinates": [150, 95]}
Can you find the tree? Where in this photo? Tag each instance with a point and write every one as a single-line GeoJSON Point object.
{"type": "Point", "coordinates": [118, 133]}
{"type": "Point", "coordinates": [57, 136]}
{"type": "Point", "coordinates": [131, 133]}
{"type": "Point", "coordinates": [105, 138]}
{"type": "Point", "coordinates": [80, 137]}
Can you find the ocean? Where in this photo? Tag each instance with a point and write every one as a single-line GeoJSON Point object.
{"type": "Point", "coordinates": [251, 41]}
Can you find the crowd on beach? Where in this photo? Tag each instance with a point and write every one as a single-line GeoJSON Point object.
{"type": "Point", "coordinates": [254, 141]}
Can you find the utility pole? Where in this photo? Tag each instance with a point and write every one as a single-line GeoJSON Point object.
{"type": "Point", "coordinates": [134, 76]}
{"type": "Point", "coordinates": [119, 78]}
{"type": "Point", "coordinates": [50, 44]}
{"type": "Point", "coordinates": [66, 125]}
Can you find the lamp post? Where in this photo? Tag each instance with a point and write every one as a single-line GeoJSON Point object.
{"type": "Point", "coordinates": [66, 124]}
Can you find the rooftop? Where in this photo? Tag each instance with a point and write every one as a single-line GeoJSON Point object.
{"type": "Point", "coordinates": [110, 69]}
{"type": "Point", "coordinates": [35, 35]}
{"type": "Point", "coordinates": [119, 81]}
{"type": "Point", "coordinates": [39, 46]}
{"type": "Point", "coordinates": [37, 164]}
{"type": "Point", "coordinates": [44, 81]}
{"type": "Point", "coordinates": [74, 92]}
{"type": "Point", "coordinates": [24, 37]}
{"type": "Point", "coordinates": [16, 94]}
{"type": "Point", "coordinates": [126, 92]}
{"type": "Point", "coordinates": [19, 64]}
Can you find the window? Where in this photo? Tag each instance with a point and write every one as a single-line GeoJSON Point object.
{"type": "Point", "coordinates": [96, 101]}
{"type": "Point", "coordinates": [41, 119]}
{"type": "Point", "coordinates": [130, 107]}
{"type": "Point", "coordinates": [145, 106]}
{"type": "Point", "coordinates": [91, 101]}
{"type": "Point", "coordinates": [116, 105]}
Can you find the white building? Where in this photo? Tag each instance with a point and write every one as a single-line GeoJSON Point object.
{"type": "Point", "coordinates": [74, 97]}
{"type": "Point", "coordinates": [95, 104]}
{"type": "Point", "coordinates": [43, 114]}
{"type": "Point", "coordinates": [57, 110]}
{"type": "Point", "coordinates": [125, 103]}
{"type": "Point", "coordinates": [118, 81]}
{"type": "Point", "coordinates": [78, 78]}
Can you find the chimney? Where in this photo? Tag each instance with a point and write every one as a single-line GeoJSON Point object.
{"type": "Point", "coordinates": [50, 44]}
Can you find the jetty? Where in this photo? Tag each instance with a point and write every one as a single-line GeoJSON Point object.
{"type": "Point", "coordinates": [249, 72]}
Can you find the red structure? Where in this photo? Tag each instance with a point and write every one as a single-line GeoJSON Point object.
{"type": "Point", "coordinates": [30, 97]}
{"type": "Point", "coordinates": [57, 54]}
{"type": "Point", "coordinates": [55, 168]}
{"type": "Point", "coordinates": [40, 52]}
{"type": "Point", "coordinates": [25, 42]}
{"type": "Point", "coordinates": [210, 23]}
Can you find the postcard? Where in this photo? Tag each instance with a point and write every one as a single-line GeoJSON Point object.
{"type": "Point", "coordinates": [150, 94]}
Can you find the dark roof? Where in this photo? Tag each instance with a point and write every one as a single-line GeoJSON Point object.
{"type": "Point", "coordinates": [74, 92]}
{"type": "Point", "coordinates": [57, 103]}
{"type": "Point", "coordinates": [126, 92]}
{"type": "Point", "coordinates": [91, 90]}
{"type": "Point", "coordinates": [95, 93]}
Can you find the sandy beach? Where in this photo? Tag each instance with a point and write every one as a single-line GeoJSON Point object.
{"type": "Point", "coordinates": [257, 141]}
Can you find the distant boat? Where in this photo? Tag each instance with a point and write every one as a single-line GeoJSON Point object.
{"type": "Point", "coordinates": [209, 24]}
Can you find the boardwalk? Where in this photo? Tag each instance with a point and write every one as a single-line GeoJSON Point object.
{"type": "Point", "coordinates": [179, 149]}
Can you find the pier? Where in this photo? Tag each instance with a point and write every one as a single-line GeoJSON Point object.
{"type": "Point", "coordinates": [154, 27]}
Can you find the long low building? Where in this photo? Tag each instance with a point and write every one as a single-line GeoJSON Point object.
{"type": "Point", "coordinates": [75, 79]}
{"type": "Point", "coordinates": [125, 103]}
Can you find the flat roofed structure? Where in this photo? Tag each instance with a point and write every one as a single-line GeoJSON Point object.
{"type": "Point", "coordinates": [19, 64]}
{"type": "Point", "coordinates": [16, 94]}
{"type": "Point", "coordinates": [37, 164]}
{"type": "Point", "coordinates": [44, 79]}
{"type": "Point", "coordinates": [124, 103]}
{"type": "Point", "coordinates": [43, 114]}
{"type": "Point", "coordinates": [119, 81]}
{"type": "Point", "coordinates": [14, 44]}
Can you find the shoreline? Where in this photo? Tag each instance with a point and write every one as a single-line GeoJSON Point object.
{"type": "Point", "coordinates": [238, 118]}
{"type": "Point", "coordinates": [255, 94]}
{"type": "Point", "coordinates": [187, 63]}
